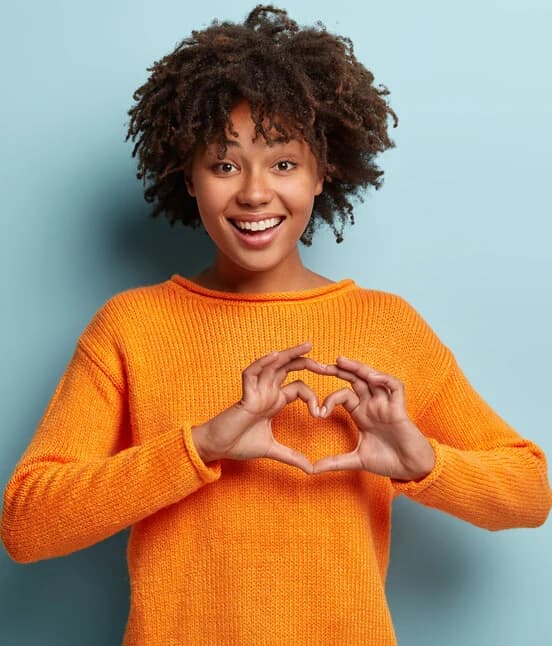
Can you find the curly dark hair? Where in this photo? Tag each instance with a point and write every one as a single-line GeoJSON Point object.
{"type": "Point", "coordinates": [305, 77]}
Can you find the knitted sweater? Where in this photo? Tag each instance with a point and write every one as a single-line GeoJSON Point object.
{"type": "Point", "coordinates": [249, 553]}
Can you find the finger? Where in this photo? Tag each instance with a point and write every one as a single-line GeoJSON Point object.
{"type": "Point", "coordinates": [335, 371]}
{"type": "Point", "coordinates": [360, 369]}
{"type": "Point", "coordinates": [287, 455]}
{"type": "Point", "coordinates": [387, 384]}
{"type": "Point", "coordinates": [343, 461]}
{"type": "Point", "coordinates": [284, 356]}
{"type": "Point", "coordinates": [344, 396]}
{"type": "Point", "coordinates": [361, 387]}
{"type": "Point", "coordinates": [274, 373]}
{"type": "Point", "coordinates": [299, 390]}
{"type": "Point", "coordinates": [392, 384]}
{"type": "Point", "coordinates": [250, 376]}
{"type": "Point", "coordinates": [254, 368]}
{"type": "Point", "coordinates": [300, 363]}
{"type": "Point", "coordinates": [358, 374]}
{"type": "Point", "coordinates": [363, 372]}
{"type": "Point", "coordinates": [272, 359]}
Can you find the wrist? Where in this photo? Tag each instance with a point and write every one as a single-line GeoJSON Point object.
{"type": "Point", "coordinates": [199, 434]}
{"type": "Point", "coordinates": [423, 464]}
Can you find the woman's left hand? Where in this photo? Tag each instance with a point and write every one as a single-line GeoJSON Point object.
{"type": "Point", "coordinates": [389, 443]}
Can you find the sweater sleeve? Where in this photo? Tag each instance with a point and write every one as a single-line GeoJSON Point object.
{"type": "Point", "coordinates": [485, 472]}
{"type": "Point", "coordinates": [80, 481]}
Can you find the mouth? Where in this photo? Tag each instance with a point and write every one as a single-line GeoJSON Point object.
{"type": "Point", "coordinates": [257, 237]}
{"type": "Point", "coordinates": [252, 227]}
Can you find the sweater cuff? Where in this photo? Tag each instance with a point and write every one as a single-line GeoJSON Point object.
{"type": "Point", "coordinates": [414, 487]}
{"type": "Point", "coordinates": [207, 472]}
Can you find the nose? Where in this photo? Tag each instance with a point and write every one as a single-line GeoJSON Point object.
{"type": "Point", "coordinates": [255, 189]}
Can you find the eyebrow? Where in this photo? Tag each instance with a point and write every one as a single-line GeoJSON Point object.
{"type": "Point", "coordinates": [277, 140]}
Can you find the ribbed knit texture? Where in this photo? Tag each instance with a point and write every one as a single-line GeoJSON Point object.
{"type": "Point", "coordinates": [252, 552]}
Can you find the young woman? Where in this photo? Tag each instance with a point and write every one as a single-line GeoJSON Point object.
{"type": "Point", "coordinates": [258, 481]}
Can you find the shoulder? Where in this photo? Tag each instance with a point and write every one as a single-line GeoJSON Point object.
{"type": "Point", "coordinates": [125, 313]}
{"type": "Point", "coordinates": [411, 347]}
{"type": "Point", "coordinates": [405, 328]}
{"type": "Point", "coordinates": [391, 308]}
{"type": "Point", "coordinates": [142, 298]}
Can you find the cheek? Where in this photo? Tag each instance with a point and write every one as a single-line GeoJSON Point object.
{"type": "Point", "coordinates": [210, 199]}
{"type": "Point", "coordinates": [300, 196]}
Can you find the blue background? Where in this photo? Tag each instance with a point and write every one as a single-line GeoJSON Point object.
{"type": "Point", "coordinates": [461, 229]}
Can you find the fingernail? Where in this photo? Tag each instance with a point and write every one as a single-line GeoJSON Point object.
{"type": "Point", "coordinates": [323, 411]}
{"type": "Point", "coordinates": [317, 410]}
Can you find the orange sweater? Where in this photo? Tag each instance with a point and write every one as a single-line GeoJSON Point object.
{"type": "Point", "coordinates": [252, 552]}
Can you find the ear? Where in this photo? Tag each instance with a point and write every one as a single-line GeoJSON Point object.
{"type": "Point", "coordinates": [319, 186]}
{"type": "Point", "coordinates": [189, 185]}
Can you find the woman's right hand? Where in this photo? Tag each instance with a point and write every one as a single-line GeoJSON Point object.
{"type": "Point", "coordinates": [244, 430]}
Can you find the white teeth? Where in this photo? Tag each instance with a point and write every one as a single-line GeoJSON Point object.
{"type": "Point", "coordinates": [261, 225]}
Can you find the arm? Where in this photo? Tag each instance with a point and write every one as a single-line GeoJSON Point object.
{"type": "Point", "coordinates": [484, 472]}
{"type": "Point", "coordinates": [79, 481]}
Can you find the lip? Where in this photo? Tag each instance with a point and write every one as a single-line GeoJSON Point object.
{"type": "Point", "coordinates": [255, 218]}
{"type": "Point", "coordinates": [259, 240]}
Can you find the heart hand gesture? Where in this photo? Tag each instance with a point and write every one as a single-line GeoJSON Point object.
{"type": "Point", "coordinates": [389, 443]}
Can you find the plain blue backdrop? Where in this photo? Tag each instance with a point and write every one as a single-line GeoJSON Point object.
{"type": "Point", "coordinates": [461, 229]}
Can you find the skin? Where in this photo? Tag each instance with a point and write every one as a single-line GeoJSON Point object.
{"type": "Point", "coordinates": [284, 179]}
{"type": "Point", "coordinates": [244, 430]}
{"type": "Point", "coordinates": [389, 443]}
{"type": "Point", "coordinates": [255, 178]}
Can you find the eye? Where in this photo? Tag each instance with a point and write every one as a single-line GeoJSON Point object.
{"type": "Point", "coordinates": [223, 167]}
{"type": "Point", "coordinates": [285, 164]}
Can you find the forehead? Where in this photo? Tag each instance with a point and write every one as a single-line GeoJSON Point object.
{"type": "Point", "coordinates": [241, 130]}
{"type": "Point", "coordinates": [242, 119]}
{"type": "Point", "coordinates": [241, 135]}
{"type": "Point", "coordinates": [276, 141]}
{"type": "Point", "coordinates": [250, 141]}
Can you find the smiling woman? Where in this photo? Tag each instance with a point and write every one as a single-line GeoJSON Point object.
{"type": "Point", "coordinates": [304, 82]}
{"type": "Point", "coordinates": [258, 482]}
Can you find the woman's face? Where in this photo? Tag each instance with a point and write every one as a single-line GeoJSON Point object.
{"type": "Point", "coordinates": [255, 185]}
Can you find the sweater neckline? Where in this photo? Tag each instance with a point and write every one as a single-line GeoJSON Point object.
{"type": "Point", "coordinates": [314, 293]}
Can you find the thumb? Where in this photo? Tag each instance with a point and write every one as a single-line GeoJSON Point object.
{"type": "Point", "coordinates": [282, 453]}
{"type": "Point", "coordinates": [343, 461]}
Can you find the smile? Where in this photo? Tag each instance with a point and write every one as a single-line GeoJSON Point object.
{"type": "Point", "coordinates": [259, 233]}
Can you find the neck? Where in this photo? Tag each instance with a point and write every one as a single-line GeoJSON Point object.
{"type": "Point", "coordinates": [288, 276]}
